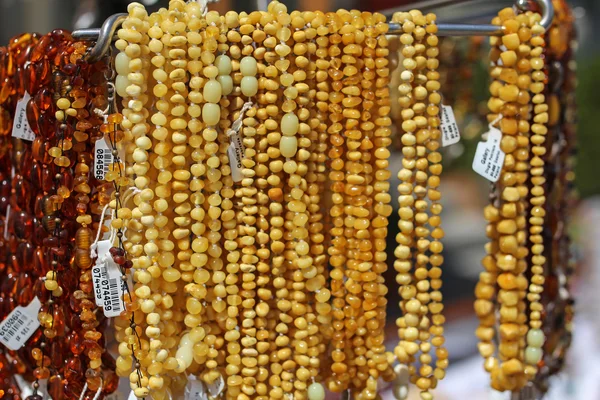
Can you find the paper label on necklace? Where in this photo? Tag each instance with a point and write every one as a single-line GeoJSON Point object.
{"type": "Point", "coordinates": [20, 324]}
{"type": "Point", "coordinates": [489, 158]}
{"type": "Point", "coordinates": [449, 127]}
{"type": "Point", "coordinates": [195, 390]}
{"type": "Point", "coordinates": [132, 396]}
{"type": "Point", "coordinates": [235, 152]}
{"type": "Point", "coordinates": [113, 289]}
{"type": "Point", "coordinates": [103, 158]}
{"type": "Point", "coordinates": [99, 271]}
{"type": "Point", "coordinates": [21, 128]}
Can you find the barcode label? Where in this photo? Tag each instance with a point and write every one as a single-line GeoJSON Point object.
{"type": "Point", "coordinates": [99, 271]}
{"type": "Point", "coordinates": [449, 127]}
{"type": "Point", "coordinates": [113, 289]}
{"type": "Point", "coordinates": [21, 128]}
{"type": "Point", "coordinates": [103, 158]}
{"type": "Point", "coordinates": [20, 324]}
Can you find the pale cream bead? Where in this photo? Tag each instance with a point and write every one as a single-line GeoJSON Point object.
{"type": "Point", "coordinates": [533, 355]}
{"type": "Point", "coordinates": [122, 64]}
{"type": "Point", "coordinates": [121, 83]}
{"type": "Point", "coordinates": [316, 391]}
{"type": "Point", "coordinates": [288, 146]}
{"type": "Point", "coordinates": [211, 114]}
{"type": "Point", "coordinates": [212, 91]}
{"type": "Point", "coordinates": [223, 64]}
{"type": "Point", "coordinates": [249, 86]}
{"type": "Point", "coordinates": [248, 66]}
{"type": "Point", "coordinates": [289, 124]}
{"type": "Point", "coordinates": [226, 84]}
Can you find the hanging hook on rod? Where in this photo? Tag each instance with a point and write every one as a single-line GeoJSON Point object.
{"type": "Point", "coordinates": [104, 35]}
{"type": "Point", "coordinates": [546, 11]}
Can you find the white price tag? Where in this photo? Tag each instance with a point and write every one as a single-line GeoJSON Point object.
{"type": "Point", "coordinates": [195, 389]}
{"type": "Point", "coordinates": [235, 152]}
{"type": "Point", "coordinates": [132, 396]}
{"type": "Point", "coordinates": [449, 128]}
{"type": "Point", "coordinates": [99, 271]}
{"type": "Point", "coordinates": [21, 128]}
{"type": "Point", "coordinates": [20, 324]}
{"type": "Point", "coordinates": [489, 158]}
{"type": "Point", "coordinates": [103, 158]}
{"type": "Point", "coordinates": [113, 289]}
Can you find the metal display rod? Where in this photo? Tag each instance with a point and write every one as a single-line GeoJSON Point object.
{"type": "Point", "coordinates": [104, 36]}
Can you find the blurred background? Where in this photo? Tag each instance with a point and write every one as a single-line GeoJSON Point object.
{"type": "Point", "coordinates": [464, 62]}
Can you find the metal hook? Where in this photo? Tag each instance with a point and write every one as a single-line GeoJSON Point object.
{"type": "Point", "coordinates": [102, 36]}
{"type": "Point", "coordinates": [546, 11]}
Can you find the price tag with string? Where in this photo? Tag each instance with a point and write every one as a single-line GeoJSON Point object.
{"type": "Point", "coordinates": [489, 157]}
{"type": "Point", "coordinates": [236, 150]}
{"type": "Point", "coordinates": [21, 128]}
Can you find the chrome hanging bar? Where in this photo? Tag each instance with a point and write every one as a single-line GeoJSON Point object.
{"type": "Point", "coordinates": [104, 36]}
{"type": "Point", "coordinates": [546, 11]}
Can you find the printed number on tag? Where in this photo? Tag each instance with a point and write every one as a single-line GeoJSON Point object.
{"type": "Point", "coordinates": [21, 128]}
{"type": "Point", "coordinates": [99, 271]}
{"type": "Point", "coordinates": [449, 128]}
{"type": "Point", "coordinates": [103, 158]}
{"type": "Point", "coordinates": [489, 158]}
{"type": "Point", "coordinates": [20, 324]}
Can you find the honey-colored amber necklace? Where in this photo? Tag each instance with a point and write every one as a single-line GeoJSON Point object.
{"type": "Point", "coordinates": [419, 245]}
{"type": "Point", "coordinates": [517, 97]}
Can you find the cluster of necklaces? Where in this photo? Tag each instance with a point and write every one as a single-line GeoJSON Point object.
{"type": "Point", "coordinates": [204, 211]}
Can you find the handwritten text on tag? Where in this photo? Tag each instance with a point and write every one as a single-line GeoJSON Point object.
{"type": "Point", "coordinates": [21, 128]}
{"type": "Point", "coordinates": [489, 158]}
{"type": "Point", "coordinates": [449, 128]}
{"type": "Point", "coordinates": [236, 155]}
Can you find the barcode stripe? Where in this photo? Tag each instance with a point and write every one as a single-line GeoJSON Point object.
{"type": "Point", "coordinates": [113, 286]}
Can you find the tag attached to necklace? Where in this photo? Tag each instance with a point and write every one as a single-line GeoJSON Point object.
{"type": "Point", "coordinates": [20, 324]}
{"type": "Point", "coordinates": [489, 158]}
{"type": "Point", "coordinates": [235, 152]}
{"type": "Point", "coordinates": [21, 128]}
{"type": "Point", "coordinates": [103, 158]}
{"type": "Point", "coordinates": [448, 127]}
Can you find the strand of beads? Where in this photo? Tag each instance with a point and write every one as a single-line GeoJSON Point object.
{"type": "Point", "coordinates": [315, 178]}
{"type": "Point", "coordinates": [262, 306]}
{"type": "Point", "coordinates": [282, 367]}
{"type": "Point", "coordinates": [316, 189]}
{"type": "Point", "coordinates": [133, 41]}
{"type": "Point", "coordinates": [230, 223]}
{"type": "Point", "coordinates": [506, 251]}
{"type": "Point", "coordinates": [148, 268]}
{"type": "Point", "coordinates": [82, 300]}
{"type": "Point", "coordinates": [375, 108]}
{"type": "Point", "coordinates": [196, 304]}
{"type": "Point", "coordinates": [67, 70]}
{"type": "Point", "coordinates": [535, 336]}
{"type": "Point", "coordinates": [436, 260]}
{"type": "Point", "coordinates": [352, 40]}
{"type": "Point", "coordinates": [408, 324]}
{"type": "Point", "coordinates": [211, 114]}
{"type": "Point", "coordinates": [381, 188]}
{"type": "Point", "coordinates": [339, 379]}
{"type": "Point", "coordinates": [174, 188]}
